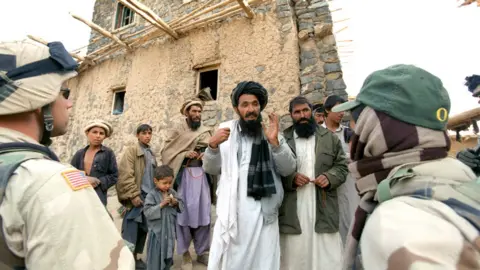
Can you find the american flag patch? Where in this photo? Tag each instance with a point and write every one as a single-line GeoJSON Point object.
{"type": "Point", "coordinates": [76, 179]}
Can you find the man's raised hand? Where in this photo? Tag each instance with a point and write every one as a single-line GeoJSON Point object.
{"type": "Point", "coordinates": [219, 137]}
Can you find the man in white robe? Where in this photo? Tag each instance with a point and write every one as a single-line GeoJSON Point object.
{"type": "Point", "coordinates": [309, 216]}
{"type": "Point", "coordinates": [250, 163]}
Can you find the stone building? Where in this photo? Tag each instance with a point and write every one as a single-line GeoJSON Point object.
{"type": "Point", "coordinates": [288, 46]}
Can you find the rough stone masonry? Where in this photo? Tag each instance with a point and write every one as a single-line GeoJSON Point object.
{"type": "Point", "coordinates": [288, 47]}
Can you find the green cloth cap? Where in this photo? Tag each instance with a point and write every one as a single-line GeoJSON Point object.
{"type": "Point", "coordinates": [407, 93]}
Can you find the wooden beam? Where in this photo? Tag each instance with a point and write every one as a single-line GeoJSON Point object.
{"type": "Point", "coordinates": [145, 29]}
{"type": "Point", "coordinates": [40, 40]}
{"type": "Point", "coordinates": [246, 8]}
{"type": "Point", "coordinates": [217, 16]}
{"type": "Point", "coordinates": [189, 18]}
{"type": "Point", "coordinates": [191, 13]}
{"type": "Point", "coordinates": [342, 20]}
{"type": "Point", "coordinates": [101, 31]}
{"type": "Point", "coordinates": [220, 15]}
{"type": "Point", "coordinates": [341, 29]}
{"type": "Point", "coordinates": [464, 118]}
{"type": "Point", "coordinates": [155, 17]}
{"type": "Point", "coordinates": [144, 15]}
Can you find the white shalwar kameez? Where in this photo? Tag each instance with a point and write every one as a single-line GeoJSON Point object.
{"type": "Point", "coordinates": [246, 234]}
{"type": "Point", "coordinates": [309, 250]}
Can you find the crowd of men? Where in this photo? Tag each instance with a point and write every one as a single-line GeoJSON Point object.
{"type": "Point", "coordinates": [378, 194]}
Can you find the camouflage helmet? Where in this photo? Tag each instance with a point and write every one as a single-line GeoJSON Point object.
{"type": "Point", "coordinates": [31, 74]}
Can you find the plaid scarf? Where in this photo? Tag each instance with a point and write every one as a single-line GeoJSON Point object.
{"type": "Point", "coordinates": [260, 178]}
{"type": "Point", "coordinates": [381, 143]}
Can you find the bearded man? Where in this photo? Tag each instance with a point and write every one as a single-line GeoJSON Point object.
{"type": "Point", "coordinates": [309, 216]}
{"type": "Point", "coordinates": [183, 152]}
{"type": "Point", "coordinates": [250, 162]}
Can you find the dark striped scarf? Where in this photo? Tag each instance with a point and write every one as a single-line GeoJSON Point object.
{"type": "Point", "coordinates": [260, 177]}
{"type": "Point", "coordinates": [381, 143]}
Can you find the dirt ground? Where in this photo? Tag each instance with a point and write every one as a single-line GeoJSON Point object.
{"type": "Point", "coordinates": [113, 205]}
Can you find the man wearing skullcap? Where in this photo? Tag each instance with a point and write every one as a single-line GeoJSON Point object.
{"type": "Point", "coordinates": [96, 160]}
{"type": "Point", "coordinates": [249, 160]}
{"type": "Point", "coordinates": [50, 216]}
{"type": "Point", "coordinates": [419, 208]}
{"type": "Point", "coordinates": [183, 151]}
{"type": "Point", "coordinates": [319, 113]}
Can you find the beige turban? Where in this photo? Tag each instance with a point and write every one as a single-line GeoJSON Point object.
{"type": "Point", "coordinates": [190, 103]}
{"type": "Point", "coordinates": [102, 124]}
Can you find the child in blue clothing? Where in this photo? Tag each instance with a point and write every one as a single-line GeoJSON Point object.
{"type": "Point", "coordinates": [160, 209]}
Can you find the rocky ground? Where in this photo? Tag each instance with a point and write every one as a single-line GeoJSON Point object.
{"type": "Point", "coordinates": [113, 205]}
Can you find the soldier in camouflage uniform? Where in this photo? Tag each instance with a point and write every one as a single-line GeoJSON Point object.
{"type": "Point", "coordinates": [419, 209]}
{"type": "Point", "coordinates": [50, 216]}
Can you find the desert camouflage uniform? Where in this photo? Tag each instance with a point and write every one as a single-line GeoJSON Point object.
{"type": "Point", "coordinates": [51, 226]}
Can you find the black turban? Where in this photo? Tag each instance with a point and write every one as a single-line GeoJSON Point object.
{"type": "Point", "coordinates": [252, 88]}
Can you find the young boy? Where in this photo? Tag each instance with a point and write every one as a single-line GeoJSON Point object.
{"type": "Point", "coordinates": [160, 210]}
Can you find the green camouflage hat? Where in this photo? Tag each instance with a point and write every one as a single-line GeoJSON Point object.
{"type": "Point", "coordinates": [407, 93]}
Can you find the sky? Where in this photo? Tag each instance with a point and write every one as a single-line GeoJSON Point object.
{"type": "Point", "coordinates": [432, 34]}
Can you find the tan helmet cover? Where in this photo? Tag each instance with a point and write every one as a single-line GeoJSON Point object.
{"type": "Point", "coordinates": [34, 92]}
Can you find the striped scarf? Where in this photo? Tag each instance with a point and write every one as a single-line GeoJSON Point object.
{"type": "Point", "coordinates": [381, 143]}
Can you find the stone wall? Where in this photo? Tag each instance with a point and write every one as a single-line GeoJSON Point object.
{"type": "Point", "coordinates": [288, 47]}
{"type": "Point", "coordinates": [160, 77]}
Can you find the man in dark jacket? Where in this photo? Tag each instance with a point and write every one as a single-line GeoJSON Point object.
{"type": "Point", "coordinates": [309, 215]}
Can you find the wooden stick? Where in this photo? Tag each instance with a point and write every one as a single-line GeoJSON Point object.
{"type": "Point", "coordinates": [246, 8]}
{"type": "Point", "coordinates": [103, 49]}
{"type": "Point", "coordinates": [347, 40]}
{"type": "Point", "coordinates": [218, 16]}
{"type": "Point", "coordinates": [101, 31]}
{"type": "Point", "coordinates": [145, 29]}
{"type": "Point", "coordinates": [342, 20]}
{"type": "Point", "coordinates": [338, 9]}
{"type": "Point", "coordinates": [189, 18]}
{"type": "Point", "coordinates": [341, 29]}
{"type": "Point", "coordinates": [144, 15]}
{"type": "Point", "coordinates": [191, 13]}
{"type": "Point", "coordinates": [40, 40]}
{"type": "Point", "coordinates": [155, 17]}
{"type": "Point", "coordinates": [464, 118]}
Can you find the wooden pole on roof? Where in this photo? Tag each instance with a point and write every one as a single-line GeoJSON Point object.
{"type": "Point", "coordinates": [341, 29]}
{"type": "Point", "coordinates": [193, 16]}
{"type": "Point", "coordinates": [342, 20]}
{"type": "Point", "coordinates": [155, 17]}
{"type": "Point", "coordinates": [40, 40]}
{"type": "Point", "coordinates": [174, 21]}
{"type": "Point", "coordinates": [217, 16]}
{"type": "Point", "coordinates": [101, 31]}
{"type": "Point", "coordinates": [145, 16]}
{"type": "Point", "coordinates": [246, 8]}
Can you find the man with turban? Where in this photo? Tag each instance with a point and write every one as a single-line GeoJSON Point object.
{"type": "Point", "coordinates": [419, 208]}
{"type": "Point", "coordinates": [183, 152]}
{"type": "Point", "coordinates": [98, 161]}
{"type": "Point", "coordinates": [250, 161]}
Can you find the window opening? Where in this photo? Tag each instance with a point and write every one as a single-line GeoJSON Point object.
{"type": "Point", "coordinates": [210, 79]}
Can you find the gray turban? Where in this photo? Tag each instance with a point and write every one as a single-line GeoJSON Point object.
{"type": "Point", "coordinates": [251, 88]}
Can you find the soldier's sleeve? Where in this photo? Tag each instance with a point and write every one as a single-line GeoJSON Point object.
{"type": "Point", "coordinates": [54, 219]}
